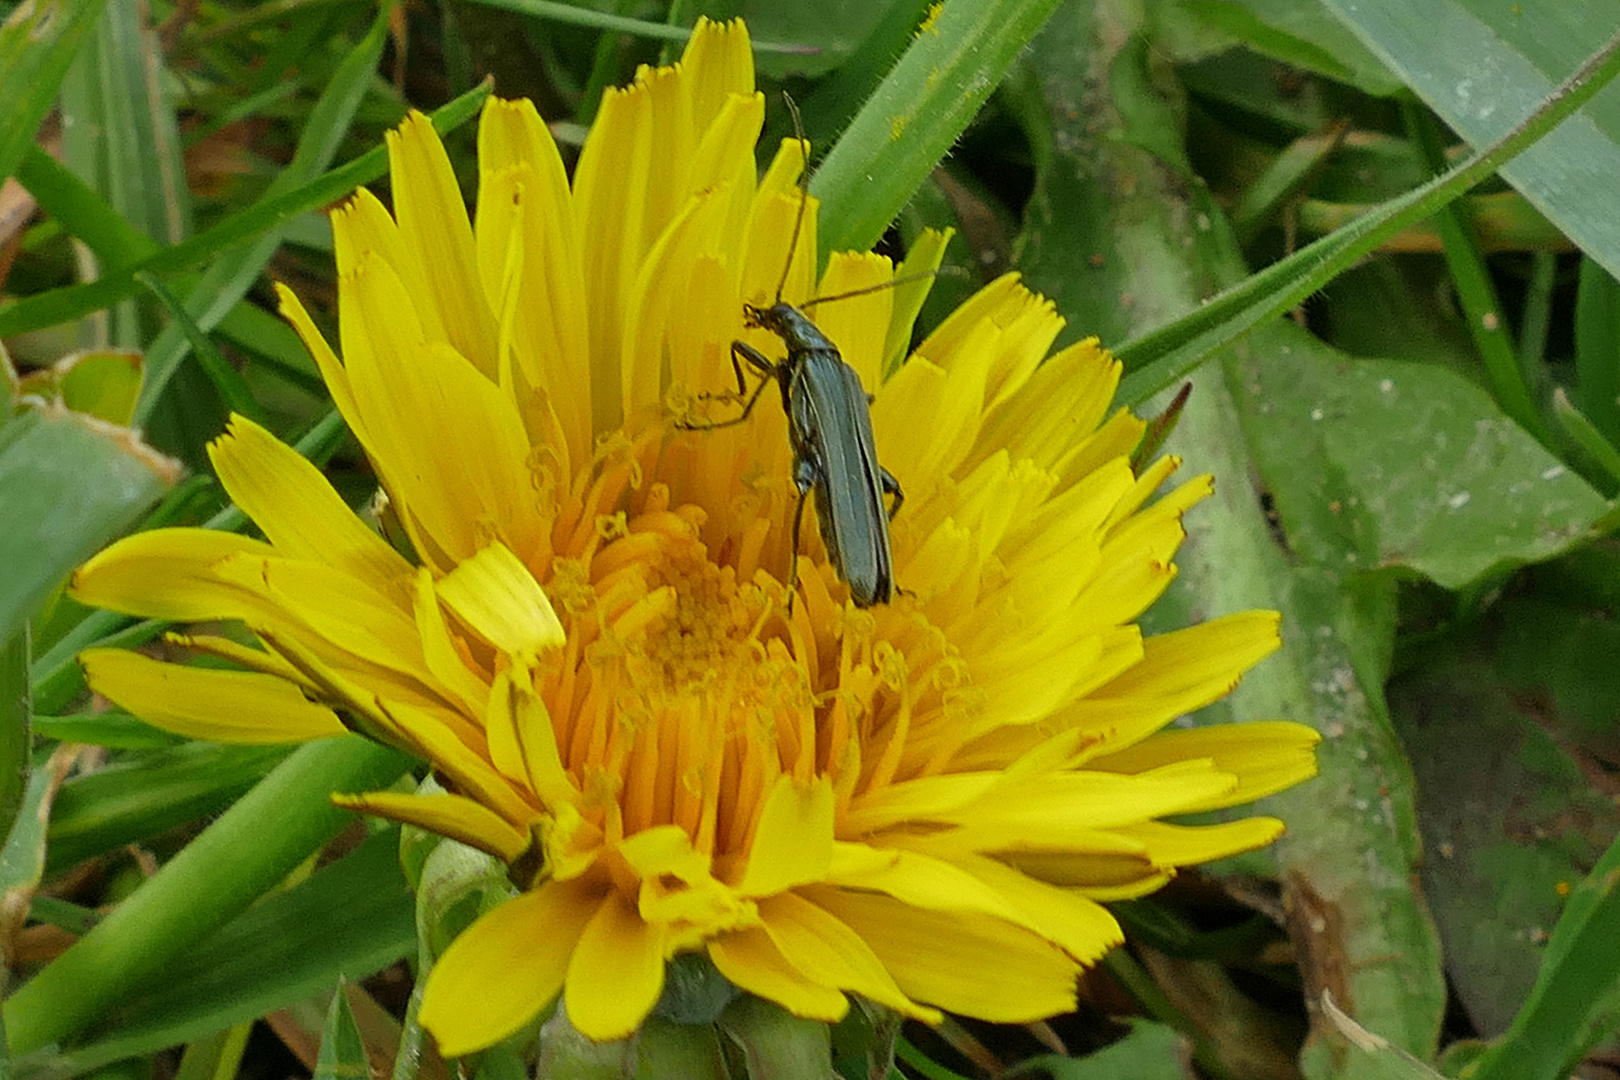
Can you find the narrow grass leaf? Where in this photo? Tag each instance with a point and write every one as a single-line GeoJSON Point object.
{"type": "Point", "coordinates": [343, 1051]}
{"type": "Point", "coordinates": [350, 919]}
{"type": "Point", "coordinates": [37, 45]}
{"type": "Point", "coordinates": [917, 113]}
{"type": "Point", "coordinates": [62, 305]}
{"type": "Point", "coordinates": [81, 211]}
{"type": "Point", "coordinates": [230, 277]}
{"type": "Point", "coordinates": [1160, 357]}
{"type": "Point", "coordinates": [1481, 65]}
{"type": "Point", "coordinates": [246, 852]}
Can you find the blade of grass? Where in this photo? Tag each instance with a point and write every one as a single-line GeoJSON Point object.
{"type": "Point", "coordinates": [1586, 434]}
{"type": "Point", "coordinates": [916, 113]}
{"type": "Point", "coordinates": [1163, 356]}
{"type": "Point", "coordinates": [570, 15]}
{"type": "Point", "coordinates": [81, 210]}
{"type": "Point", "coordinates": [1482, 308]}
{"type": "Point", "coordinates": [1597, 348]}
{"type": "Point", "coordinates": [37, 45]}
{"type": "Point", "coordinates": [246, 851]}
{"type": "Point", "coordinates": [16, 735]}
{"type": "Point", "coordinates": [1537, 316]}
{"type": "Point", "coordinates": [233, 274]}
{"type": "Point", "coordinates": [61, 305]}
{"type": "Point", "coordinates": [228, 382]}
{"type": "Point", "coordinates": [1577, 990]}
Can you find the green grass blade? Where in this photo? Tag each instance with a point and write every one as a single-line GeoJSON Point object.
{"type": "Point", "coordinates": [37, 45]}
{"type": "Point", "coordinates": [1482, 308]}
{"type": "Point", "coordinates": [916, 114]}
{"type": "Point", "coordinates": [233, 274]}
{"type": "Point", "coordinates": [81, 210]}
{"type": "Point", "coordinates": [343, 1052]}
{"type": "Point", "coordinates": [247, 851]}
{"type": "Point", "coordinates": [1577, 993]}
{"type": "Point", "coordinates": [228, 382]}
{"type": "Point", "coordinates": [1162, 356]}
{"type": "Point", "coordinates": [62, 305]}
{"type": "Point", "coordinates": [347, 920]}
{"type": "Point", "coordinates": [16, 734]}
{"type": "Point", "coordinates": [1480, 65]}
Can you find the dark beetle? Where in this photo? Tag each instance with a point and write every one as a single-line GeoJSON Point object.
{"type": "Point", "coordinates": [830, 427]}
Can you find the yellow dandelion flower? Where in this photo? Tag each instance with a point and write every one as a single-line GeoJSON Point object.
{"type": "Point", "coordinates": [922, 802]}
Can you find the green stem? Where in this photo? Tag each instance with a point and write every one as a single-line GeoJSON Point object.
{"type": "Point", "coordinates": [251, 847]}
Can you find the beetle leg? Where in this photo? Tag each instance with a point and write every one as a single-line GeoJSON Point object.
{"type": "Point", "coordinates": [804, 477]}
{"type": "Point", "coordinates": [756, 360]}
{"type": "Point", "coordinates": [891, 486]}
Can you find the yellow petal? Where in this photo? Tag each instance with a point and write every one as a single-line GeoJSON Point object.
{"type": "Point", "coordinates": [616, 973]}
{"type": "Point", "coordinates": [506, 967]}
{"type": "Point", "coordinates": [829, 953]}
{"type": "Point", "coordinates": [794, 839]}
{"type": "Point", "coordinates": [296, 507]}
{"type": "Point", "coordinates": [966, 964]}
{"type": "Point", "coordinates": [223, 706]}
{"type": "Point", "coordinates": [718, 62]}
{"type": "Point", "coordinates": [1187, 845]}
{"type": "Point", "coordinates": [1266, 756]}
{"type": "Point", "coordinates": [498, 598]}
{"type": "Point", "coordinates": [448, 815]}
{"type": "Point", "coordinates": [167, 574]}
{"type": "Point", "coordinates": [753, 962]}
{"type": "Point", "coordinates": [433, 222]}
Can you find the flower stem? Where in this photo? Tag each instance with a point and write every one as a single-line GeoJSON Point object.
{"type": "Point", "coordinates": [246, 852]}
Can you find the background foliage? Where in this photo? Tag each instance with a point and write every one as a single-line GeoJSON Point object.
{"type": "Point", "coordinates": [1409, 391]}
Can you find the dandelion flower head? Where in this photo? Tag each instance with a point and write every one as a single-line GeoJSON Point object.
{"type": "Point", "coordinates": [587, 633]}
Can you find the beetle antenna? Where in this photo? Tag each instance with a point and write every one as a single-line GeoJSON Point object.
{"type": "Point", "coordinates": [804, 192]}
{"type": "Point", "coordinates": [904, 279]}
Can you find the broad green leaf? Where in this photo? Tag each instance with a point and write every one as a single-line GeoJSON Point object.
{"type": "Point", "coordinates": [101, 383]}
{"type": "Point", "coordinates": [1483, 65]}
{"type": "Point", "coordinates": [1375, 464]}
{"type": "Point", "coordinates": [1147, 1052]}
{"type": "Point", "coordinates": [1506, 809]}
{"type": "Point", "coordinates": [69, 484]}
{"type": "Point", "coordinates": [37, 44]}
{"type": "Point", "coordinates": [1576, 999]}
{"type": "Point", "coordinates": [347, 920]}
{"type": "Point", "coordinates": [1126, 256]}
{"type": "Point", "coordinates": [1299, 33]}
{"type": "Point", "coordinates": [246, 852]}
